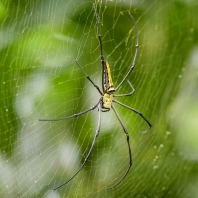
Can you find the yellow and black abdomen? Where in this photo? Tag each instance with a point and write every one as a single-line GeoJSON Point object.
{"type": "Point", "coordinates": [108, 82]}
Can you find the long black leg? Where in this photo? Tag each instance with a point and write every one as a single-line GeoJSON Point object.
{"type": "Point", "coordinates": [87, 157]}
{"type": "Point", "coordinates": [135, 111]}
{"type": "Point", "coordinates": [89, 78]}
{"type": "Point", "coordinates": [128, 94]}
{"type": "Point", "coordinates": [99, 34]}
{"type": "Point", "coordinates": [72, 116]}
{"type": "Point", "coordinates": [135, 56]}
{"type": "Point", "coordinates": [128, 143]}
{"type": "Point", "coordinates": [101, 52]}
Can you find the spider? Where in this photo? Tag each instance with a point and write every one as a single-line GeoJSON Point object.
{"type": "Point", "coordinates": [106, 100]}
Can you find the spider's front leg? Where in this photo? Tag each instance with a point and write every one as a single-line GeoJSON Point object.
{"type": "Point", "coordinates": [135, 56]}
{"type": "Point", "coordinates": [96, 86]}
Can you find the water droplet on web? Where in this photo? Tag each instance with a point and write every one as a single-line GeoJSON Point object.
{"type": "Point", "coordinates": [180, 76]}
{"type": "Point", "coordinates": [155, 167]}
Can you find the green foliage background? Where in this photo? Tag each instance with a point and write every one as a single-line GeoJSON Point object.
{"type": "Point", "coordinates": [39, 40]}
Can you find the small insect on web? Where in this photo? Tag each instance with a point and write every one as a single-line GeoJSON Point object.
{"type": "Point", "coordinates": [106, 100]}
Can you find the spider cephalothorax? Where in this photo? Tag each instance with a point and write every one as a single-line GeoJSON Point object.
{"type": "Point", "coordinates": [107, 101]}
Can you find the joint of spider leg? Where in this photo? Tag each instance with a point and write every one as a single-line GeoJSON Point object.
{"type": "Point", "coordinates": [88, 78]}
{"type": "Point", "coordinates": [125, 131]}
{"type": "Point", "coordinates": [127, 136]}
{"type": "Point", "coordinates": [137, 46]}
{"type": "Point", "coordinates": [100, 38]}
{"type": "Point", "coordinates": [150, 125]}
{"type": "Point", "coordinates": [97, 134]}
{"type": "Point", "coordinates": [86, 159]}
{"type": "Point", "coordinates": [102, 59]}
{"type": "Point", "coordinates": [139, 113]}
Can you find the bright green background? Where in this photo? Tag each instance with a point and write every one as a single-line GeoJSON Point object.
{"type": "Point", "coordinates": [39, 40]}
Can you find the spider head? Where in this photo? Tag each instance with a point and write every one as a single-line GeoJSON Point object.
{"type": "Point", "coordinates": [107, 101]}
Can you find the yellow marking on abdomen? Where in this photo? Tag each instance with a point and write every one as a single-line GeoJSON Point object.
{"type": "Point", "coordinates": [111, 86]}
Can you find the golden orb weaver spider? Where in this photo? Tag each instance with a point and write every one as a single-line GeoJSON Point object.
{"type": "Point", "coordinates": [105, 102]}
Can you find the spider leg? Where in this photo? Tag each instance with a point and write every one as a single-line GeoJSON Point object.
{"type": "Point", "coordinates": [135, 56]}
{"type": "Point", "coordinates": [130, 154]}
{"type": "Point", "coordinates": [89, 153]}
{"type": "Point", "coordinates": [101, 51]}
{"type": "Point", "coordinates": [128, 94]}
{"type": "Point", "coordinates": [89, 78]}
{"type": "Point", "coordinates": [137, 112]}
{"type": "Point", "coordinates": [72, 116]}
{"type": "Point", "coordinates": [99, 34]}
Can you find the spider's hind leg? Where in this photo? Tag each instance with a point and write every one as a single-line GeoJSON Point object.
{"type": "Point", "coordinates": [89, 153]}
{"type": "Point", "coordinates": [137, 112]}
{"type": "Point", "coordinates": [129, 149]}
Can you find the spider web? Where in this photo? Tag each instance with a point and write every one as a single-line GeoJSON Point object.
{"type": "Point", "coordinates": [39, 41]}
